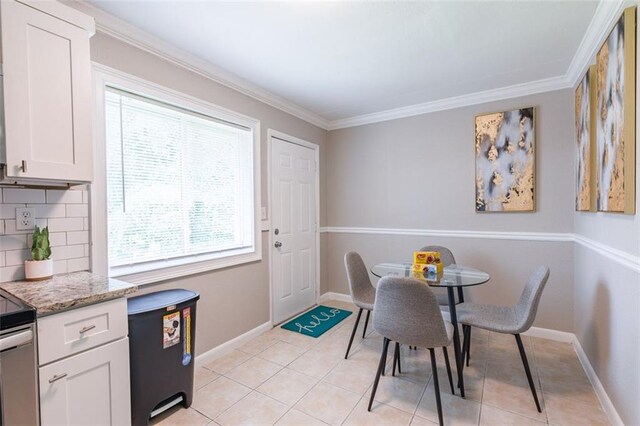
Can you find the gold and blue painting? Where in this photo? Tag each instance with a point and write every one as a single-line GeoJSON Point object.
{"type": "Point", "coordinates": [615, 117]}
{"type": "Point", "coordinates": [505, 161]}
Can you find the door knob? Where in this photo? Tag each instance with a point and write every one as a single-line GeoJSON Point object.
{"type": "Point", "coordinates": [278, 244]}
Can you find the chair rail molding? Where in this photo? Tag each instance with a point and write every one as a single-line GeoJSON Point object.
{"type": "Point", "coordinates": [623, 258]}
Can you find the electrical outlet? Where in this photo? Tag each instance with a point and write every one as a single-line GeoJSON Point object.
{"type": "Point", "coordinates": [25, 218]}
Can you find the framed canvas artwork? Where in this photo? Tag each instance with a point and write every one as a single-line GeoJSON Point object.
{"type": "Point", "coordinates": [615, 117]}
{"type": "Point", "coordinates": [505, 161]}
{"type": "Point", "coordinates": [585, 138]}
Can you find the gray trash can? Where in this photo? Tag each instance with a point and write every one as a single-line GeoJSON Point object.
{"type": "Point", "coordinates": [162, 337]}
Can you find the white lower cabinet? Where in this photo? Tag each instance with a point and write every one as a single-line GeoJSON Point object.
{"type": "Point", "coordinates": [90, 388]}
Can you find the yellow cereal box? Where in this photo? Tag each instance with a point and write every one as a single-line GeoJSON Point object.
{"type": "Point", "coordinates": [426, 257]}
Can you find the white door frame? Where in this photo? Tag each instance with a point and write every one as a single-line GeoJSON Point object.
{"type": "Point", "coordinates": [316, 148]}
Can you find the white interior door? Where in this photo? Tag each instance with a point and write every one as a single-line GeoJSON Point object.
{"type": "Point", "coordinates": [293, 228]}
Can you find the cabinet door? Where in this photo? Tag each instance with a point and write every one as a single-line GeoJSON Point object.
{"type": "Point", "coordinates": [47, 96]}
{"type": "Point", "coordinates": [91, 388]}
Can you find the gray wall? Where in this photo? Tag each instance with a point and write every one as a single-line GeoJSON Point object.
{"type": "Point", "coordinates": [607, 299]}
{"type": "Point", "coordinates": [233, 300]}
{"type": "Point", "coordinates": [418, 173]}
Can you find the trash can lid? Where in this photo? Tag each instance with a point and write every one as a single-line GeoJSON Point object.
{"type": "Point", "coordinates": [159, 300]}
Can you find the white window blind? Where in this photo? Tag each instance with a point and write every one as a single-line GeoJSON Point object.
{"type": "Point", "coordinates": [179, 185]}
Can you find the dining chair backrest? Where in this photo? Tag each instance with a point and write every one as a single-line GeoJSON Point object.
{"type": "Point", "coordinates": [406, 311]}
{"type": "Point", "coordinates": [446, 257]}
{"type": "Point", "coordinates": [527, 306]}
{"type": "Point", "coordinates": [357, 275]}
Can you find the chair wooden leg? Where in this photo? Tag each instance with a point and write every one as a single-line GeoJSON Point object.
{"type": "Point", "coordinates": [383, 357]}
{"type": "Point", "coordinates": [353, 333]}
{"type": "Point", "coordinates": [446, 361]}
{"type": "Point", "coordinates": [436, 386]}
{"type": "Point", "coordinates": [366, 321]}
{"type": "Point", "coordinates": [523, 355]}
{"type": "Point", "coordinates": [399, 355]}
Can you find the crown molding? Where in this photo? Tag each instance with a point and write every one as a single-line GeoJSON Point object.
{"type": "Point", "coordinates": [604, 18]}
{"type": "Point", "coordinates": [606, 15]}
{"type": "Point", "coordinates": [123, 31]}
{"type": "Point", "coordinates": [524, 89]}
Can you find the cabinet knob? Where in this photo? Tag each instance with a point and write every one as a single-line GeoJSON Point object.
{"type": "Point", "coordinates": [57, 377]}
{"type": "Point", "coordinates": [23, 166]}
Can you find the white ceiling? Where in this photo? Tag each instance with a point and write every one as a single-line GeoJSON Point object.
{"type": "Point", "coordinates": [345, 59]}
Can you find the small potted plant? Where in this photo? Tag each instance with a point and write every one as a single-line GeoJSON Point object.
{"type": "Point", "coordinates": [40, 267]}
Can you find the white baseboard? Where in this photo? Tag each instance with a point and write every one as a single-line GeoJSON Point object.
{"type": "Point", "coordinates": [232, 344]}
{"type": "Point", "coordinates": [608, 406]}
{"type": "Point", "coordinates": [543, 333]}
{"type": "Point", "coordinates": [340, 297]}
{"type": "Point", "coordinates": [547, 333]}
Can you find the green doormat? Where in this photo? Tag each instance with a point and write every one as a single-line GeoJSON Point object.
{"type": "Point", "coordinates": [317, 321]}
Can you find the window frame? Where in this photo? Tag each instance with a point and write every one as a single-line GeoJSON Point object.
{"type": "Point", "coordinates": [151, 272]}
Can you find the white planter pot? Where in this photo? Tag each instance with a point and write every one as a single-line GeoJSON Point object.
{"type": "Point", "coordinates": [36, 270]}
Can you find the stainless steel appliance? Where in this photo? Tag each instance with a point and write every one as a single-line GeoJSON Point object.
{"type": "Point", "coordinates": [18, 363]}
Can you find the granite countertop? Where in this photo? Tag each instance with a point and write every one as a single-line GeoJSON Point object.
{"type": "Point", "coordinates": [67, 291]}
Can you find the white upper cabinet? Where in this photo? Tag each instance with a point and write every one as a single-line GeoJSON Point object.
{"type": "Point", "coordinates": [47, 92]}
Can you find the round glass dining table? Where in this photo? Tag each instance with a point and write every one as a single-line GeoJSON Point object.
{"type": "Point", "coordinates": [452, 277]}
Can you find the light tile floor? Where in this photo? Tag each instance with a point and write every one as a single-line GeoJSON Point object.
{"type": "Point", "coordinates": [286, 378]}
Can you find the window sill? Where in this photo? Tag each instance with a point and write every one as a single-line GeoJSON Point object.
{"type": "Point", "coordinates": [171, 272]}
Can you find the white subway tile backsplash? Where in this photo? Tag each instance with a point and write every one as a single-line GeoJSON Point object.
{"type": "Point", "coordinates": [20, 195]}
{"type": "Point", "coordinates": [10, 227]}
{"type": "Point", "coordinates": [8, 211]}
{"type": "Point", "coordinates": [59, 267]}
{"type": "Point", "coordinates": [77, 210]}
{"type": "Point", "coordinates": [77, 237]}
{"type": "Point", "coordinates": [12, 273]}
{"type": "Point", "coordinates": [56, 196]}
{"type": "Point", "coordinates": [67, 252]}
{"type": "Point", "coordinates": [48, 210]}
{"type": "Point", "coordinates": [57, 239]}
{"type": "Point", "coordinates": [13, 242]}
{"type": "Point", "coordinates": [17, 257]}
{"type": "Point", "coordinates": [81, 264]}
{"type": "Point", "coordinates": [66, 212]}
{"type": "Point", "coordinates": [66, 224]}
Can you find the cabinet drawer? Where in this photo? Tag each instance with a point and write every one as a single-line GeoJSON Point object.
{"type": "Point", "coordinates": [91, 388]}
{"type": "Point", "coordinates": [68, 333]}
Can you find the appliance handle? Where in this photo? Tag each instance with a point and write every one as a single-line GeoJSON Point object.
{"type": "Point", "coordinates": [15, 340]}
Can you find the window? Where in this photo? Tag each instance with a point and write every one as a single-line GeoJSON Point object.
{"type": "Point", "coordinates": [179, 184]}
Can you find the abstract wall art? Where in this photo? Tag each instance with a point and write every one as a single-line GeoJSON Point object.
{"type": "Point", "coordinates": [615, 118]}
{"type": "Point", "coordinates": [505, 161]}
{"type": "Point", "coordinates": [585, 97]}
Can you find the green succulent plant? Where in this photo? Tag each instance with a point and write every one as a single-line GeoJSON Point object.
{"type": "Point", "coordinates": [40, 249]}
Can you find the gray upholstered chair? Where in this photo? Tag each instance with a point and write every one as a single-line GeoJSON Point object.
{"type": "Point", "coordinates": [447, 258]}
{"type": "Point", "coordinates": [407, 312]}
{"type": "Point", "coordinates": [508, 319]}
{"type": "Point", "coordinates": [363, 293]}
